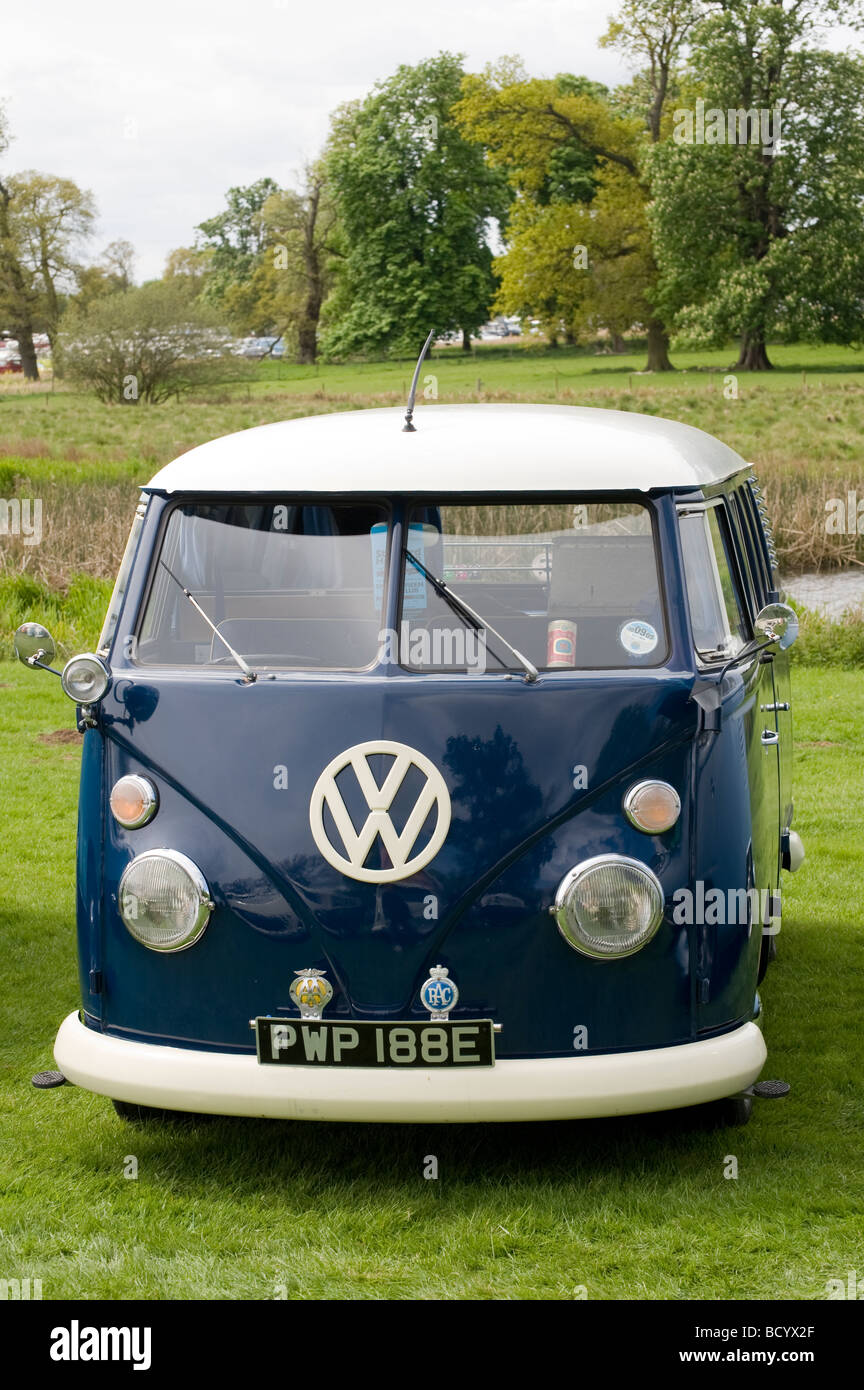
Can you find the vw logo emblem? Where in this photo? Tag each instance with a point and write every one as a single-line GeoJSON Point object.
{"type": "Point", "coordinates": [349, 859]}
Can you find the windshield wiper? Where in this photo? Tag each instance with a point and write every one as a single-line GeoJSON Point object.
{"type": "Point", "coordinates": [248, 673]}
{"type": "Point", "coordinates": [467, 613]}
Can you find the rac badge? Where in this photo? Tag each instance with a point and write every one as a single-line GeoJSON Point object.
{"type": "Point", "coordinates": [311, 992]}
{"type": "Point", "coordinates": [438, 994]}
{"type": "Point", "coordinates": [350, 857]}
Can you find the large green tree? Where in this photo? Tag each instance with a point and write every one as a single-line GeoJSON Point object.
{"type": "Point", "coordinates": [415, 199]}
{"type": "Point", "coordinates": [43, 222]}
{"type": "Point", "coordinates": [755, 235]}
{"type": "Point", "coordinates": [18, 298]}
{"type": "Point", "coordinates": [268, 260]}
{"type": "Point", "coordinates": [577, 221]}
{"type": "Point", "coordinates": [306, 248]}
{"type": "Point", "coordinates": [235, 239]}
{"type": "Point", "coordinates": [580, 252]}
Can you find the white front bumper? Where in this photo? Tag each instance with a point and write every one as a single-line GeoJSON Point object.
{"type": "Point", "coordinates": [555, 1088]}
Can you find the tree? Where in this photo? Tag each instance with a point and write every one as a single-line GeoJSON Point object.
{"type": "Point", "coordinates": [189, 264]}
{"type": "Point", "coordinates": [652, 33]}
{"type": "Point", "coordinates": [415, 198]}
{"type": "Point", "coordinates": [305, 250]}
{"type": "Point", "coordinates": [118, 259]}
{"type": "Point", "coordinates": [43, 221]}
{"type": "Point", "coordinates": [608, 274]}
{"type": "Point", "coordinates": [235, 238]}
{"type": "Point", "coordinates": [144, 344]}
{"type": "Point", "coordinates": [756, 234]}
{"type": "Point", "coordinates": [19, 297]}
{"type": "Point", "coordinates": [111, 274]}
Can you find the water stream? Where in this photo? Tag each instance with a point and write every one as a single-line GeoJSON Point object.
{"type": "Point", "coordinates": [831, 593]}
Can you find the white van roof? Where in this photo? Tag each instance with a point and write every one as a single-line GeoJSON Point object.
{"type": "Point", "coordinates": [456, 449]}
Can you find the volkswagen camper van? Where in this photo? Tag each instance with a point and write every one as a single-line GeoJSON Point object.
{"type": "Point", "coordinates": [434, 774]}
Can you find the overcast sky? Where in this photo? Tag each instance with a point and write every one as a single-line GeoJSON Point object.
{"type": "Point", "coordinates": [159, 106]}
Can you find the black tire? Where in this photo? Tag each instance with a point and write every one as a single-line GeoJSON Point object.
{"type": "Point", "coordinates": [148, 1114]}
{"type": "Point", "coordinates": [734, 1111]}
{"type": "Point", "coordinates": [767, 953]}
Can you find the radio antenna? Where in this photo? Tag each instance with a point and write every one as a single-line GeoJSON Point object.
{"type": "Point", "coordinates": [408, 427]}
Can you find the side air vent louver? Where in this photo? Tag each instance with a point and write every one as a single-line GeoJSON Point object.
{"type": "Point", "coordinates": [767, 530]}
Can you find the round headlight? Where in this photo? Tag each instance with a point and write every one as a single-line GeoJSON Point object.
{"type": "Point", "coordinates": [652, 806]}
{"type": "Point", "coordinates": [609, 907]}
{"type": "Point", "coordinates": [85, 679]}
{"type": "Point", "coordinates": [134, 801]}
{"type": "Point", "coordinates": [164, 900]}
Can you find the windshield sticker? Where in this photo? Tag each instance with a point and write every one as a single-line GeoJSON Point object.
{"type": "Point", "coordinates": [638, 638]}
{"type": "Point", "coordinates": [378, 536]}
{"type": "Point", "coordinates": [415, 585]}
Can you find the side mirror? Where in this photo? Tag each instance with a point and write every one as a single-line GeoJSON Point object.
{"type": "Point", "coordinates": [34, 645]}
{"type": "Point", "coordinates": [779, 623]}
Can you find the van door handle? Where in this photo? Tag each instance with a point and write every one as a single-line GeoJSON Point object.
{"type": "Point", "coordinates": [769, 737]}
{"type": "Point", "coordinates": [783, 704]}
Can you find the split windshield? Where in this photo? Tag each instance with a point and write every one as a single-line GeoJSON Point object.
{"type": "Point", "coordinates": [288, 585]}
{"type": "Point", "coordinates": [292, 585]}
{"type": "Point", "coordinates": [570, 585]}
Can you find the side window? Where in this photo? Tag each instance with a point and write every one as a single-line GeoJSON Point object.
{"type": "Point", "coordinates": [741, 540]}
{"type": "Point", "coordinates": [716, 612]}
{"type": "Point", "coordinates": [121, 583]}
{"type": "Point", "coordinates": [755, 543]}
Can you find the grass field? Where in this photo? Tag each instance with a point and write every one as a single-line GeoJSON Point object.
{"type": "Point", "coordinates": [810, 407]}
{"type": "Point", "coordinates": [634, 1208]}
{"type": "Point", "coordinates": [800, 425]}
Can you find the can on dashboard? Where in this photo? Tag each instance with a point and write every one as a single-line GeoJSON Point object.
{"type": "Point", "coordinates": [561, 643]}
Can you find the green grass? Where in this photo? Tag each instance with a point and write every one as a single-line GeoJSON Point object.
{"type": "Point", "coordinates": [801, 425]}
{"type": "Point", "coordinates": [634, 1208]}
{"type": "Point", "coordinates": [809, 407]}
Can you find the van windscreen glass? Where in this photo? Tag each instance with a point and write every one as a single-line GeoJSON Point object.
{"type": "Point", "coordinates": [570, 585]}
{"type": "Point", "coordinates": [716, 613]}
{"type": "Point", "coordinates": [289, 585]}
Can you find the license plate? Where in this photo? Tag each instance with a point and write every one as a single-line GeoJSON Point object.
{"type": "Point", "coordinates": [298, 1042]}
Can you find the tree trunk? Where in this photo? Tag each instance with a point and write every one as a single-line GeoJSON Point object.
{"type": "Point", "coordinates": [27, 353]}
{"type": "Point", "coordinates": [307, 345]}
{"type": "Point", "coordinates": [658, 348]}
{"type": "Point", "coordinates": [618, 343]}
{"type": "Point", "coordinates": [466, 340]}
{"type": "Point", "coordinates": [753, 356]}
{"type": "Point", "coordinates": [22, 294]}
{"type": "Point", "coordinates": [307, 333]}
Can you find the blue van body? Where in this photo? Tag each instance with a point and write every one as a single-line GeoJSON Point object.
{"type": "Point", "coordinates": [536, 773]}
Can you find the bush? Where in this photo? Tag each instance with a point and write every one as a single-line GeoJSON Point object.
{"type": "Point", "coordinates": [146, 344]}
{"type": "Point", "coordinates": [828, 642]}
{"type": "Point", "coordinates": [73, 618]}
